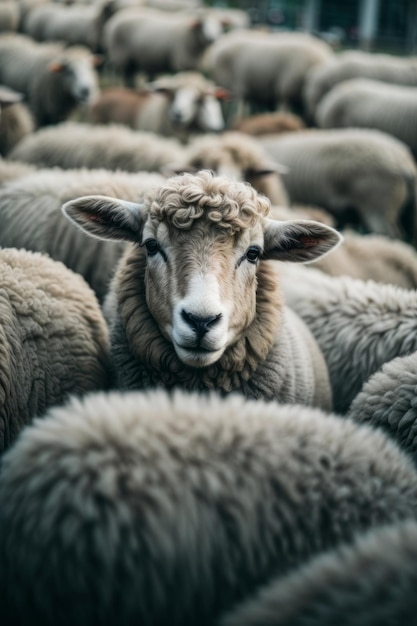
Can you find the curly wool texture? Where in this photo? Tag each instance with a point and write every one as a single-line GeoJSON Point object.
{"type": "Point", "coordinates": [359, 325]}
{"type": "Point", "coordinates": [275, 357]}
{"type": "Point", "coordinates": [371, 583]}
{"type": "Point", "coordinates": [53, 339]}
{"type": "Point", "coordinates": [183, 504]}
{"type": "Point", "coordinates": [388, 401]}
{"type": "Point", "coordinates": [238, 156]}
{"type": "Point", "coordinates": [73, 145]}
{"type": "Point", "coordinates": [227, 204]}
{"type": "Point", "coordinates": [37, 200]}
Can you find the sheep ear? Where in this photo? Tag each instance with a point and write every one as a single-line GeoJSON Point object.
{"type": "Point", "coordinates": [299, 241]}
{"type": "Point", "coordinates": [107, 218]}
{"type": "Point", "coordinates": [222, 94]}
{"type": "Point", "coordinates": [55, 66]}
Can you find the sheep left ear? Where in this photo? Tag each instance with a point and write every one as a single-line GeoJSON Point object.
{"type": "Point", "coordinates": [107, 218]}
{"type": "Point", "coordinates": [55, 66]}
{"type": "Point", "coordinates": [299, 241]}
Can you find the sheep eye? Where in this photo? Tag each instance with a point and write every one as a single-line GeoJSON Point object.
{"type": "Point", "coordinates": [253, 254]}
{"type": "Point", "coordinates": [152, 247]}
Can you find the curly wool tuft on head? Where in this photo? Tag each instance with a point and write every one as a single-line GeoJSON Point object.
{"type": "Point", "coordinates": [231, 205]}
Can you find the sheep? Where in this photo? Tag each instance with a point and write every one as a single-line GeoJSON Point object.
{"type": "Point", "coordinates": [369, 583]}
{"type": "Point", "coordinates": [10, 170]}
{"type": "Point", "coordinates": [76, 24]}
{"type": "Point", "coordinates": [55, 79]}
{"type": "Point", "coordinates": [36, 199]}
{"type": "Point", "coordinates": [363, 103]}
{"type": "Point", "coordinates": [150, 508]}
{"type": "Point", "coordinates": [388, 401]}
{"type": "Point", "coordinates": [74, 145]}
{"type": "Point", "coordinates": [269, 123]}
{"type": "Point", "coordinates": [53, 339]}
{"type": "Point", "coordinates": [155, 42]}
{"type": "Point", "coordinates": [341, 170]}
{"type": "Point", "coordinates": [9, 16]}
{"type": "Point", "coordinates": [16, 121]}
{"type": "Point", "coordinates": [264, 68]}
{"type": "Point", "coordinates": [357, 64]}
{"type": "Point", "coordinates": [237, 156]}
{"type": "Point", "coordinates": [175, 105]}
{"type": "Point", "coordinates": [359, 325]}
{"type": "Point", "coordinates": [371, 257]}
{"type": "Point", "coordinates": [208, 238]}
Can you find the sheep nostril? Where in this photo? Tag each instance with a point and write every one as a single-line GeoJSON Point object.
{"type": "Point", "coordinates": [201, 325]}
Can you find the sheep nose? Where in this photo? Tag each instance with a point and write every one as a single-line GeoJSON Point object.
{"type": "Point", "coordinates": [201, 325]}
{"type": "Point", "coordinates": [84, 93]}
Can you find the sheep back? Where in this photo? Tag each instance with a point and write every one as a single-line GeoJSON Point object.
{"type": "Point", "coordinates": [371, 583]}
{"type": "Point", "coordinates": [183, 504]}
{"type": "Point", "coordinates": [53, 339]}
{"type": "Point", "coordinates": [37, 199]}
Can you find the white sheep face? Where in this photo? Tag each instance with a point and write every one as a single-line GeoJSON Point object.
{"type": "Point", "coordinates": [201, 286]}
{"type": "Point", "coordinates": [204, 238]}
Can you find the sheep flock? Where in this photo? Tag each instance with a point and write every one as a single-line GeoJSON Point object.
{"type": "Point", "coordinates": [208, 321]}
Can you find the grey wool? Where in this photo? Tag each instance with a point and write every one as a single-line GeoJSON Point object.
{"type": "Point", "coordinates": [36, 200]}
{"type": "Point", "coordinates": [53, 339]}
{"type": "Point", "coordinates": [114, 147]}
{"type": "Point", "coordinates": [359, 325]}
{"type": "Point", "coordinates": [195, 301]}
{"type": "Point", "coordinates": [155, 509]}
{"type": "Point", "coordinates": [371, 583]}
{"type": "Point", "coordinates": [388, 400]}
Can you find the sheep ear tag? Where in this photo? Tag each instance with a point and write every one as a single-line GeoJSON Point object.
{"type": "Point", "coordinates": [106, 218]}
{"type": "Point", "coordinates": [299, 241]}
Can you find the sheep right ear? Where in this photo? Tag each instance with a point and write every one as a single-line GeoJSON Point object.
{"type": "Point", "coordinates": [107, 218]}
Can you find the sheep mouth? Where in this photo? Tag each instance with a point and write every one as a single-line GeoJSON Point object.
{"type": "Point", "coordinates": [198, 349]}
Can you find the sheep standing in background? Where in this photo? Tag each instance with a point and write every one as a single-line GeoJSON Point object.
{"type": "Point", "coordinates": [76, 24]}
{"type": "Point", "coordinates": [363, 103]}
{"type": "Point", "coordinates": [388, 400]}
{"type": "Point", "coordinates": [372, 257]}
{"type": "Point", "coordinates": [357, 64]}
{"type": "Point", "coordinates": [9, 16]}
{"type": "Point", "coordinates": [53, 339]}
{"type": "Point", "coordinates": [238, 157]}
{"type": "Point", "coordinates": [71, 145]}
{"type": "Point", "coordinates": [10, 170]}
{"type": "Point", "coordinates": [370, 583]}
{"type": "Point", "coordinates": [15, 119]}
{"type": "Point", "coordinates": [269, 123]}
{"type": "Point", "coordinates": [36, 201]}
{"type": "Point", "coordinates": [196, 305]}
{"type": "Point", "coordinates": [155, 42]}
{"type": "Point", "coordinates": [184, 505]}
{"type": "Point", "coordinates": [348, 169]}
{"type": "Point", "coordinates": [176, 105]}
{"type": "Point", "coordinates": [359, 325]}
{"type": "Point", "coordinates": [264, 68]}
{"type": "Point", "coordinates": [54, 79]}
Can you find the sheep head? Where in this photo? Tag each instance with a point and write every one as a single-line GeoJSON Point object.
{"type": "Point", "coordinates": [204, 239]}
